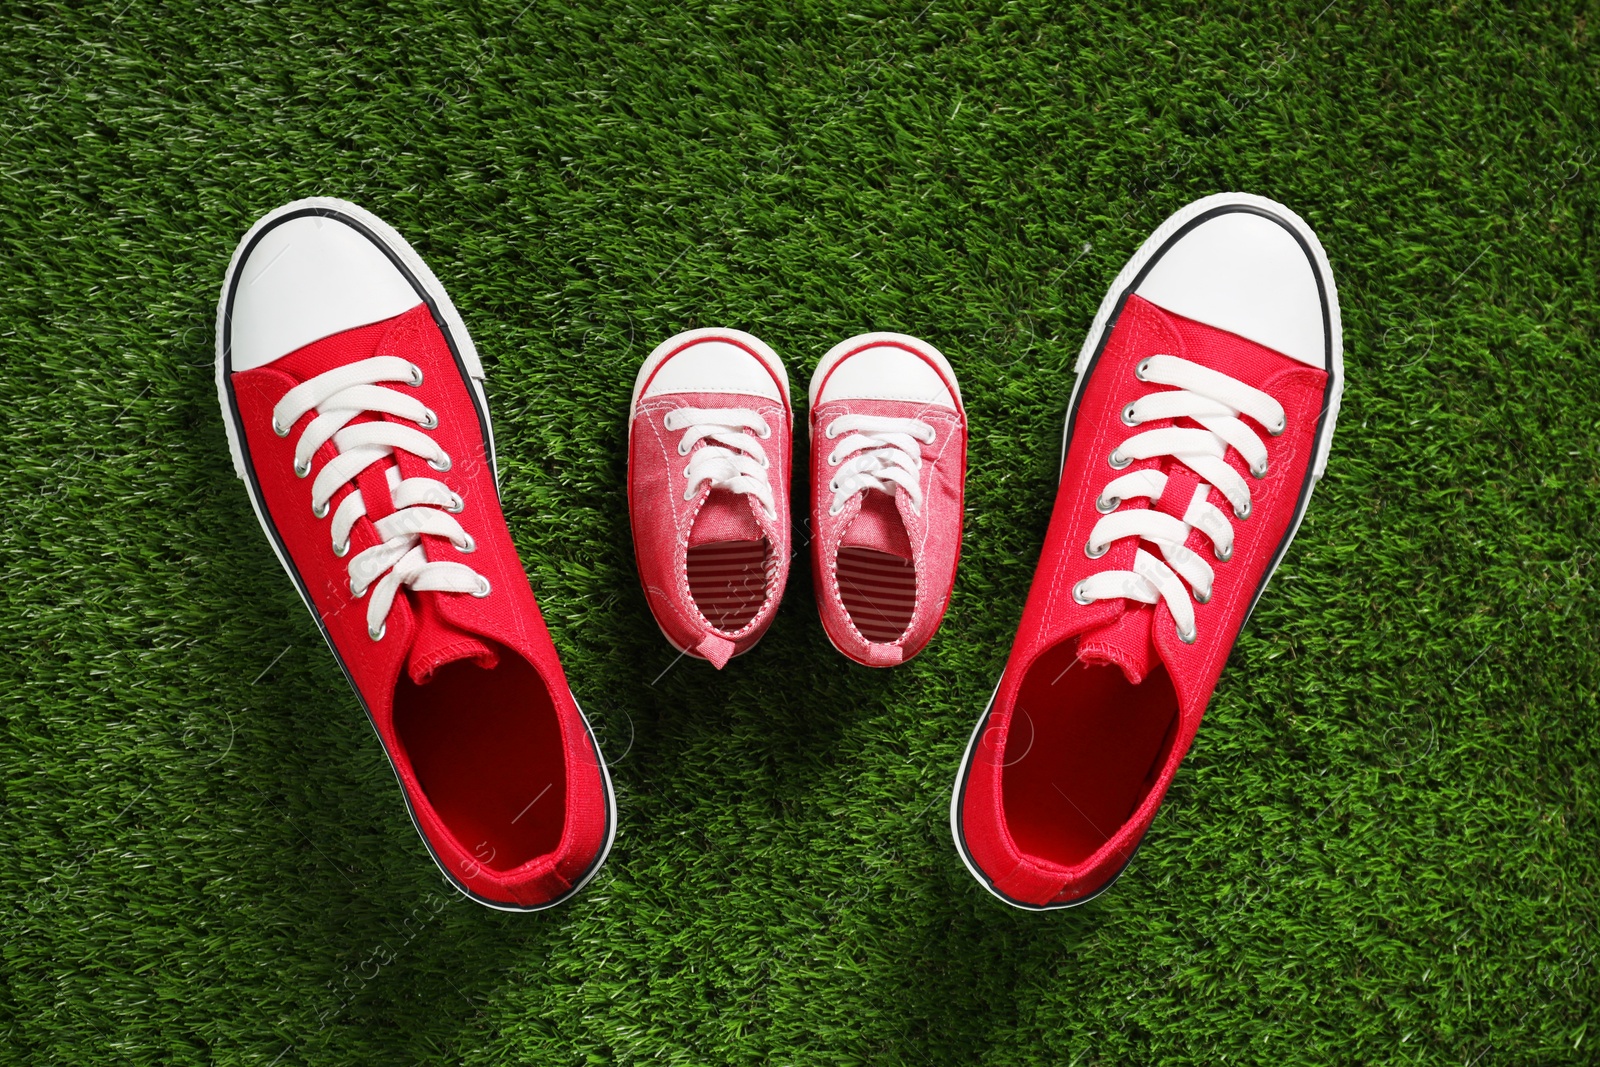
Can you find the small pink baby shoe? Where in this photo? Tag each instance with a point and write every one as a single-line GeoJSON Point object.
{"type": "Point", "coordinates": [888, 466]}
{"type": "Point", "coordinates": [711, 440]}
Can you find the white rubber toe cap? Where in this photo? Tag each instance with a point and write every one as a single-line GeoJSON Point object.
{"type": "Point", "coordinates": [308, 278]}
{"type": "Point", "coordinates": [1242, 272]}
{"type": "Point", "coordinates": [713, 361]}
{"type": "Point", "coordinates": [885, 366]}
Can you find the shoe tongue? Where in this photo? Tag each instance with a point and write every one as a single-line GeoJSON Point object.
{"type": "Point", "coordinates": [439, 642]}
{"type": "Point", "coordinates": [1127, 641]}
{"type": "Point", "coordinates": [878, 525]}
{"type": "Point", "coordinates": [725, 516]}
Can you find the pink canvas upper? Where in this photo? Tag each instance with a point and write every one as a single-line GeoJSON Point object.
{"type": "Point", "coordinates": [666, 525]}
{"type": "Point", "coordinates": [1117, 668]}
{"type": "Point", "coordinates": [875, 613]}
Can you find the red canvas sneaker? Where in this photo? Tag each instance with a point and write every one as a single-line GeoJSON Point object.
{"type": "Point", "coordinates": [710, 438]}
{"type": "Point", "coordinates": [888, 466]}
{"type": "Point", "coordinates": [1203, 412]}
{"type": "Point", "coordinates": [355, 412]}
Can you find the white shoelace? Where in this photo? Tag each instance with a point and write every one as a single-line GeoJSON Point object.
{"type": "Point", "coordinates": [1215, 401]}
{"type": "Point", "coordinates": [731, 457]}
{"type": "Point", "coordinates": [338, 396]}
{"type": "Point", "coordinates": [883, 453]}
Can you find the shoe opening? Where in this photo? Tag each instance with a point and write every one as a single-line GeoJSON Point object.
{"type": "Point", "coordinates": [1084, 749]}
{"type": "Point", "coordinates": [879, 592]}
{"type": "Point", "coordinates": [728, 581]}
{"type": "Point", "coordinates": [486, 746]}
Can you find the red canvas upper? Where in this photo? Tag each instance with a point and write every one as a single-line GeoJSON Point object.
{"type": "Point", "coordinates": [667, 526]}
{"type": "Point", "coordinates": [467, 693]}
{"type": "Point", "coordinates": [1099, 702]}
{"type": "Point", "coordinates": [927, 536]}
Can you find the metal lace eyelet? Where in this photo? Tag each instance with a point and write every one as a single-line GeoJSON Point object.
{"type": "Point", "coordinates": [1077, 594]}
{"type": "Point", "coordinates": [1277, 431]}
{"type": "Point", "coordinates": [829, 432]}
{"type": "Point", "coordinates": [682, 450]}
{"type": "Point", "coordinates": [1127, 416]}
{"type": "Point", "coordinates": [833, 486]}
{"type": "Point", "coordinates": [1223, 554]}
{"type": "Point", "coordinates": [1141, 369]}
{"type": "Point", "coordinates": [416, 375]}
{"type": "Point", "coordinates": [456, 505]}
{"type": "Point", "coordinates": [466, 544]}
{"type": "Point", "coordinates": [1202, 598]}
{"type": "Point", "coordinates": [1188, 637]}
{"type": "Point", "coordinates": [320, 512]}
{"type": "Point", "coordinates": [429, 420]}
{"type": "Point", "coordinates": [833, 459]}
{"type": "Point", "coordinates": [441, 466]}
{"type": "Point", "coordinates": [1089, 549]}
{"type": "Point", "coordinates": [341, 548]}
{"type": "Point", "coordinates": [1242, 513]}
{"type": "Point", "coordinates": [483, 589]}
{"type": "Point", "coordinates": [281, 431]}
{"type": "Point", "coordinates": [764, 432]}
{"type": "Point", "coordinates": [301, 470]}
{"type": "Point", "coordinates": [357, 593]}
{"type": "Point", "coordinates": [377, 634]}
{"type": "Point", "coordinates": [1116, 455]}
{"type": "Point", "coordinates": [1261, 473]}
{"type": "Point", "coordinates": [1105, 505]}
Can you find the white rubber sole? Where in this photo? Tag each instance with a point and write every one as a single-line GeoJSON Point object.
{"type": "Point", "coordinates": [1125, 282]}
{"type": "Point", "coordinates": [456, 330]}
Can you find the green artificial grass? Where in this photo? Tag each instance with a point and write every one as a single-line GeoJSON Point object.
{"type": "Point", "coordinates": [1384, 845]}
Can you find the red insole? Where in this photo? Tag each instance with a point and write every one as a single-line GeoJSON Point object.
{"type": "Point", "coordinates": [486, 746]}
{"type": "Point", "coordinates": [879, 591]}
{"type": "Point", "coordinates": [1083, 750]}
{"type": "Point", "coordinates": [728, 580]}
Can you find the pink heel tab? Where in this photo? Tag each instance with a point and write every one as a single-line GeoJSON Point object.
{"type": "Point", "coordinates": [718, 650]}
